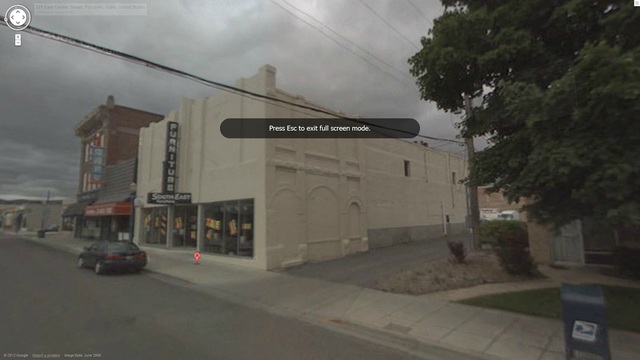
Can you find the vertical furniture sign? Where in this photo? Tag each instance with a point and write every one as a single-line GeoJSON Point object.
{"type": "Point", "coordinates": [171, 157]}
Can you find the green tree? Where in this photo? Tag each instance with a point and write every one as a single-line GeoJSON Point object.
{"type": "Point", "coordinates": [560, 84]}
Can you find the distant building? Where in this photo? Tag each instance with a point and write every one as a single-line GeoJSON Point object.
{"type": "Point", "coordinates": [581, 242]}
{"type": "Point", "coordinates": [491, 204]}
{"type": "Point", "coordinates": [29, 215]}
{"type": "Point", "coordinates": [274, 203]}
{"type": "Point", "coordinates": [112, 209]}
{"type": "Point", "coordinates": [108, 135]}
{"type": "Point", "coordinates": [66, 222]}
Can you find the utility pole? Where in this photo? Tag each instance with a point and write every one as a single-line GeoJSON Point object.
{"type": "Point", "coordinates": [44, 213]}
{"type": "Point", "coordinates": [473, 190]}
{"type": "Point", "coordinates": [133, 193]}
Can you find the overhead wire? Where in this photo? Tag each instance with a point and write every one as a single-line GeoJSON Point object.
{"type": "Point", "coordinates": [227, 88]}
{"type": "Point", "coordinates": [341, 45]}
{"type": "Point", "coordinates": [388, 24]}
{"type": "Point", "coordinates": [440, 146]}
{"type": "Point", "coordinates": [342, 37]}
{"type": "Point", "coordinates": [419, 12]}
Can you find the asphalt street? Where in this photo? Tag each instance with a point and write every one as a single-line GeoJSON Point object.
{"type": "Point", "coordinates": [49, 307]}
{"type": "Point", "coordinates": [363, 269]}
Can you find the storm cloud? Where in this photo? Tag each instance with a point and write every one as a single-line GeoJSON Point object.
{"type": "Point", "coordinates": [48, 87]}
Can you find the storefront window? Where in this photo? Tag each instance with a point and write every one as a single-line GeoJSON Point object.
{"type": "Point", "coordinates": [147, 225]}
{"type": "Point", "coordinates": [154, 225]}
{"type": "Point", "coordinates": [231, 226]}
{"type": "Point", "coordinates": [67, 223]}
{"type": "Point", "coordinates": [185, 226]}
{"type": "Point", "coordinates": [228, 228]}
{"type": "Point", "coordinates": [123, 225]}
{"type": "Point", "coordinates": [245, 246]}
{"type": "Point", "coordinates": [90, 229]}
{"type": "Point", "coordinates": [213, 220]}
{"type": "Point", "coordinates": [105, 225]}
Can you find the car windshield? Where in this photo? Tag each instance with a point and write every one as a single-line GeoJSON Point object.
{"type": "Point", "coordinates": [122, 246]}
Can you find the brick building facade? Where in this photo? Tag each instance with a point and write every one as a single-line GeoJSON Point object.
{"type": "Point", "coordinates": [108, 136]}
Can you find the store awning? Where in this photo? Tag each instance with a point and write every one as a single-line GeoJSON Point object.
{"type": "Point", "coordinates": [117, 208]}
{"type": "Point", "coordinates": [76, 209]}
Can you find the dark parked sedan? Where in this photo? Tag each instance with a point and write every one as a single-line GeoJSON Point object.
{"type": "Point", "coordinates": [117, 255]}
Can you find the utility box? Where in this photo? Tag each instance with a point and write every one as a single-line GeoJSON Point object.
{"type": "Point", "coordinates": [585, 325]}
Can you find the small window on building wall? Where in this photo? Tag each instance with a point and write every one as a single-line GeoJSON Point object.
{"type": "Point", "coordinates": [453, 178]}
{"type": "Point", "coordinates": [407, 168]}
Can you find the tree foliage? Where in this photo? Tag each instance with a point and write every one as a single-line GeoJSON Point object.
{"type": "Point", "coordinates": [560, 84]}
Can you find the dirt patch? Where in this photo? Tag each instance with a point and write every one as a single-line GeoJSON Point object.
{"type": "Point", "coordinates": [480, 268]}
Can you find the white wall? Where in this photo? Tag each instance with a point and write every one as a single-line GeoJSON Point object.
{"type": "Point", "coordinates": [211, 167]}
{"type": "Point", "coordinates": [395, 200]}
{"type": "Point", "coordinates": [404, 208]}
{"type": "Point", "coordinates": [315, 199]}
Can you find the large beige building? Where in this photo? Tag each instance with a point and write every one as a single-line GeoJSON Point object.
{"type": "Point", "coordinates": [272, 203]}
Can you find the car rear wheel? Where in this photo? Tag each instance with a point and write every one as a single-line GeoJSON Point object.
{"type": "Point", "coordinates": [99, 268]}
{"type": "Point", "coordinates": [81, 263]}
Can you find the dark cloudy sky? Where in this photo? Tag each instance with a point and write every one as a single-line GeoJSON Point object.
{"type": "Point", "coordinates": [47, 87]}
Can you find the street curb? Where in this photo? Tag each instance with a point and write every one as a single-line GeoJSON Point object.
{"type": "Point", "coordinates": [429, 350]}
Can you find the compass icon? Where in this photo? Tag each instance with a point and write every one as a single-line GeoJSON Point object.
{"type": "Point", "coordinates": [17, 17]}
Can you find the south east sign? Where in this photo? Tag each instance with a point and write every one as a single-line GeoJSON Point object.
{"type": "Point", "coordinates": [175, 198]}
{"type": "Point", "coordinates": [171, 158]}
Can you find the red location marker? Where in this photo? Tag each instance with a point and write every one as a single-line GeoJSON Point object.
{"type": "Point", "coordinates": [196, 256]}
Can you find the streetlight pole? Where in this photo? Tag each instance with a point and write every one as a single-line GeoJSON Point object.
{"type": "Point", "coordinates": [132, 215]}
{"type": "Point", "coordinates": [43, 214]}
{"type": "Point", "coordinates": [473, 190]}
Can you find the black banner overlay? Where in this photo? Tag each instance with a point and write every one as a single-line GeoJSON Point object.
{"type": "Point", "coordinates": [319, 128]}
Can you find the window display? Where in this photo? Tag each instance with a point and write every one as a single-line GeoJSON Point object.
{"type": "Point", "coordinates": [228, 228]}
{"type": "Point", "coordinates": [185, 226]}
{"type": "Point", "coordinates": [245, 245]}
{"type": "Point", "coordinates": [213, 218]}
{"type": "Point", "coordinates": [154, 225]}
{"type": "Point", "coordinates": [231, 231]}
{"type": "Point", "coordinates": [67, 223]}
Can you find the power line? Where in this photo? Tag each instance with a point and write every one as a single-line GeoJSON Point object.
{"type": "Point", "coordinates": [441, 139]}
{"type": "Point", "coordinates": [342, 37]}
{"type": "Point", "coordinates": [134, 59]}
{"type": "Point", "coordinates": [227, 88]}
{"type": "Point", "coordinates": [388, 24]}
{"type": "Point", "coordinates": [441, 145]}
{"type": "Point", "coordinates": [341, 45]}
{"type": "Point", "coordinates": [419, 12]}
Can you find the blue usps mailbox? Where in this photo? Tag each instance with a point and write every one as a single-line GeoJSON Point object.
{"type": "Point", "coordinates": [585, 327]}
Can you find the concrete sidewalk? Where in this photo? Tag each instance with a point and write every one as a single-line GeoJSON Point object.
{"type": "Point", "coordinates": [405, 322]}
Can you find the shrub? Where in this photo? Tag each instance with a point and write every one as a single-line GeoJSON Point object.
{"type": "Point", "coordinates": [497, 231]}
{"type": "Point", "coordinates": [626, 260]}
{"type": "Point", "coordinates": [457, 251]}
{"type": "Point", "coordinates": [511, 243]}
{"type": "Point", "coordinates": [515, 260]}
